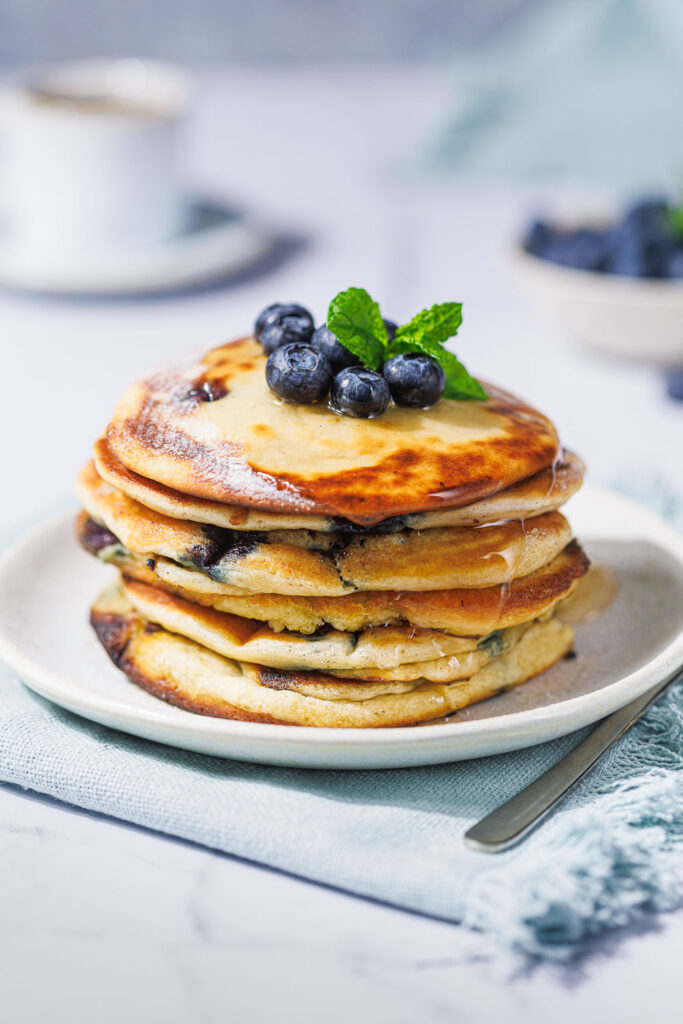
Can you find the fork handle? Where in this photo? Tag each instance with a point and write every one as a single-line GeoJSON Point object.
{"type": "Point", "coordinates": [517, 817]}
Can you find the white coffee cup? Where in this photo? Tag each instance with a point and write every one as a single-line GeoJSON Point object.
{"type": "Point", "coordinates": [89, 156]}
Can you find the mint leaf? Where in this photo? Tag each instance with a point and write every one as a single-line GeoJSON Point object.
{"type": "Point", "coordinates": [433, 326]}
{"type": "Point", "coordinates": [460, 385]}
{"type": "Point", "coordinates": [426, 333]}
{"type": "Point", "coordinates": [354, 317]}
{"type": "Point", "coordinates": [676, 221]}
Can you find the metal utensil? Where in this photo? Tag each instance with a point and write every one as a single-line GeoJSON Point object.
{"type": "Point", "coordinates": [517, 817]}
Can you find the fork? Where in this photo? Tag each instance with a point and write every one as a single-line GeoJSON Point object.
{"type": "Point", "coordinates": [514, 820]}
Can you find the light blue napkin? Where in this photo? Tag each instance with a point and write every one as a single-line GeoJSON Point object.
{"type": "Point", "coordinates": [586, 89]}
{"type": "Point", "coordinates": [611, 854]}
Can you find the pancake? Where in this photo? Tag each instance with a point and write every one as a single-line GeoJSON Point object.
{"type": "Point", "coordinates": [461, 656]}
{"type": "Point", "coordinates": [310, 563]}
{"type": "Point", "coordinates": [240, 561]}
{"type": "Point", "coordinates": [542, 492]}
{"type": "Point", "coordinates": [250, 640]}
{"type": "Point", "coordinates": [447, 669]}
{"type": "Point", "coordinates": [460, 612]}
{"type": "Point", "coordinates": [188, 675]}
{"type": "Point", "coordinates": [462, 557]}
{"type": "Point", "coordinates": [246, 447]}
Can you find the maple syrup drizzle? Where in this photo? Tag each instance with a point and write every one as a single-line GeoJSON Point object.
{"type": "Point", "coordinates": [593, 596]}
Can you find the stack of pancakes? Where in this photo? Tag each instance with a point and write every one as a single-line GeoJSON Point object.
{"type": "Point", "coordinates": [280, 563]}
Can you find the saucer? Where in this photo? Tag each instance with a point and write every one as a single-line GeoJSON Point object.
{"type": "Point", "coordinates": [216, 242]}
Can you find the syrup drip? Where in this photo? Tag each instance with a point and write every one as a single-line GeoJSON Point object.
{"type": "Point", "coordinates": [553, 469]}
{"type": "Point", "coordinates": [513, 567]}
{"type": "Point", "coordinates": [593, 595]}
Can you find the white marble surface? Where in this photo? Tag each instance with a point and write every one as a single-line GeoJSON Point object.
{"type": "Point", "coordinates": [100, 921]}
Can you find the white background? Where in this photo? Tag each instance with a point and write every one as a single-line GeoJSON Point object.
{"type": "Point", "coordinates": [99, 921]}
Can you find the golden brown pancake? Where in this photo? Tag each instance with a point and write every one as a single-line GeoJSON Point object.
{"type": "Point", "coordinates": [188, 675]}
{"type": "Point", "coordinates": [250, 640]}
{"type": "Point", "coordinates": [446, 669]}
{"type": "Point", "coordinates": [460, 612]}
{"type": "Point", "coordinates": [310, 563]}
{"type": "Point", "coordinates": [278, 560]}
{"type": "Point", "coordinates": [453, 557]}
{"type": "Point", "coordinates": [542, 492]}
{"type": "Point", "coordinates": [247, 447]}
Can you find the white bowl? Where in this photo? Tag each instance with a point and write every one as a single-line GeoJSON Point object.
{"type": "Point", "coordinates": [625, 316]}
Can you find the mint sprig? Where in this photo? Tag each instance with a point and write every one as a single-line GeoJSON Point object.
{"type": "Point", "coordinates": [427, 332]}
{"type": "Point", "coordinates": [355, 318]}
{"type": "Point", "coordinates": [432, 326]}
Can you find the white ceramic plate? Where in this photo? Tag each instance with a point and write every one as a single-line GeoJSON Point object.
{"type": "Point", "coordinates": [47, 585]}
{"type": "Point", "coordinates": [215, 244]}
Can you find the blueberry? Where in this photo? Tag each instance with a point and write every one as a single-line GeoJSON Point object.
{"type": "Point", "coordinates": [675, 262]}
{"type": "Point", "coordinates": [325, 341]}
{"type": "Point", "coordinates": [281, 324]}
{"type": "Point", "coordinates": [591, 249]}
{"type": "Point", "coordinates": [359, 392]}
{"type": "Point", "coordinates": [628, 259]}
{"type": "Point", "coordinates": [674, 383]}
{"type": "Point", "coordinates": [585, 249]}
{"type": "Point", "coordinates": [647, 219]}
{"type": "Point", "coordinates": [391, 328]}
{"type": "Point", "coordinates": [640, 259]}
{"type": "Point", "coordinates": [414, 379]}
{"type": "Point", "coordinates": [538, 238]}
{"type": "Point", "coordinates": [207, 391]}
{"type": "Point", "coordinates": [267, 316]}
{"type": "Point", "coordinates": [641, 243]}
{"type": "Point", "coordinates": [298, 373]}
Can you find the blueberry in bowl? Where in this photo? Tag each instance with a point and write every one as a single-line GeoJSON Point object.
{"type": "Point", "coordinates": [644, 241]}
{"type": "Point", "coordinates": [674, 383]}
{"type": "Point", "coordinates": [615, 281]}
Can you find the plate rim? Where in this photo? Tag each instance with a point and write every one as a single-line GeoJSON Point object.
{"type": "Point", "coordinates": [58, 688]}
